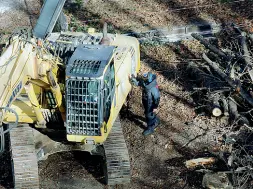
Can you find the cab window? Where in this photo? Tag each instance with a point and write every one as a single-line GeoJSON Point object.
{"type": "Point", "coordinates": [109, 90]}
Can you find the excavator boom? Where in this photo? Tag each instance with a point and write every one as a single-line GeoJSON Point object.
{"type": "Point", "coordinates": [48, 17]}
{"type": "Point", "coordinates": [22, 67]}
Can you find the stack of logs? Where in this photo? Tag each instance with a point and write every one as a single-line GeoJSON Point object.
{"type": "Point", "coordinates": [226, 75]}
{"type": "Point", "coordinates": [225, 79]}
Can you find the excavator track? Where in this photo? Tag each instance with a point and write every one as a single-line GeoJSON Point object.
{"type": "Point", "coordinates": [24, 158]}
{"type": "Point", "coordinates": [117, 158]}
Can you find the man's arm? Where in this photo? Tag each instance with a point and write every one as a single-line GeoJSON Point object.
{"type": "Point", "coordinates": [134, 80]}
{"type": "Point", "coordinates": [156, 102]}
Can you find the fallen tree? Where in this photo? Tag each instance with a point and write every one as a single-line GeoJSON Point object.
{"type": "Point", "coordinates": [227, 67]}
{"type": "Point", "coordinates": [225, 79]}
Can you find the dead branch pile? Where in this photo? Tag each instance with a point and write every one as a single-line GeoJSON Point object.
{"type": "Point", "coordinates": [226, 74]}
{"type": "Point", "coordinates": [231, 165]}
{"type": "Point", "coordinates": [224, 78]}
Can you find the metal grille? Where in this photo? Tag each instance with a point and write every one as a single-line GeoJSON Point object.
{"type": "Point", "coordinates": [70, 38]}
{"type": "Point", "coordinates": [50, 99]}
{"type": "Point", "coordinates": [83, 107]}
{"type": "Point", "coordinates": [85, 67]}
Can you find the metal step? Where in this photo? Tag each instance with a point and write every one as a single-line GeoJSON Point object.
{"type": "Point", "coordinates": [117, 157]}
{"type": "Point", "coordinates": [24, 158]}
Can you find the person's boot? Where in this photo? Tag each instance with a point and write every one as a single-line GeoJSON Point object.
{"type": "Point", "coordinates": [151, 129]}
{"type": "Point", "coordinates": [156, 124]}
{"type": "Point", "coordinates": [148, 131]}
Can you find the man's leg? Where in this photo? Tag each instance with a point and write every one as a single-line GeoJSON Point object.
{"type": "Point", "coordinates": [156, 122]}
{"type": "Point", "coordinates": [151, 121]}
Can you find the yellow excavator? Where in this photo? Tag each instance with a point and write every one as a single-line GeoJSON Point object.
{"type": "Point", "coordinates": [62, 92]}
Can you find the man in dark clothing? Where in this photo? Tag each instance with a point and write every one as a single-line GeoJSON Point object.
{"type": "Point", "coordinates": [150, 99]}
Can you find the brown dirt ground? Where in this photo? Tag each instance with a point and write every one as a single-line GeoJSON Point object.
{"type": "Point", "coordinates": [24, 13]}
{"type": "Point", "coordinates": [158, 160]}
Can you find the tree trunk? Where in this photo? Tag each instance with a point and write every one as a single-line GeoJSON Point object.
{"type": "Point", "coordinates": [202, 78]}
{"type": "Point", "coordinates": [211, 47]}
{"type": "Point", "coordinates": [216, 108]}
{"type": "Point", "coordinates": [235, 85]}
{"type": "Point", "coordinates": [234, 115]}
{"type": "Point", "coordinates": [225, 106]}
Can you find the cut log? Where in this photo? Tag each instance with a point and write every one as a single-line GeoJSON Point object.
{"type": "Point", "coordinates": [193, 163]}
{"type": "Point", "coordinates": [216, 112]}
{"type": "Point", "coordinates": [216, 108]}
{"type": "Point", "coordinates": [211, 47]}
{"type": "Point", "coordinates": [235, 85]}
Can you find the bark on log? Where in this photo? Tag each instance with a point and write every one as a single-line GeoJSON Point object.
{"type": "Point", "coordinates": [213, 55]}
{"type": "Point", "coordinates": [216, 108]}
{"type": "Point", "coordinates": [202, 78]}
{"type": "Point", "coordinates": [211, 47]}
{"type": "Point", "coordinates": [247, 58]}
{"type": "Point", "coordinates": [236, 85]}
{"type": "Point", "coordinates": [225, 106]}
{"type": "Point", "coordinates": [251, 37]}
{"type": "Point", "coordinates": [234, 115]}
{"type": "Point", "coordinates": [233, 109]}
{"type": "Point", "coordinates": [246, 54]}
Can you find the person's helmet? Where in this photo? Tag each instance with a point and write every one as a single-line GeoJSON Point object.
{"type": "Point", "coordinates": [147, 77]}
{"type": "Point", "coordinates": [145, 74]}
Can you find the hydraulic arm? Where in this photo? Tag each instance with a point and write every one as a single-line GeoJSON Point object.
{"type": "Point", "coordinates": [23, 65]}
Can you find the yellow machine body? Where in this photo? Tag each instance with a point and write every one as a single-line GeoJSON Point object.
{"type": "Point", "coordinates": [33, 72]}
{"type": "Point", "coordinates": [71, 87]}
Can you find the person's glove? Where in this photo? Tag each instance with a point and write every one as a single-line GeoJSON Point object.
{"type": "Point", "coordinates": [155, 111]}
{"type": "Point", "coordinates": [133, 80]}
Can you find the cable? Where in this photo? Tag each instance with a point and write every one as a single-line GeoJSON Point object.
{"type": "Point", "coordinates": [2, 132]}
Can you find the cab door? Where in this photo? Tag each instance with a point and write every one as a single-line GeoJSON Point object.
{"type": "Point", "coordinates": [123, 85]}
{"type": "Point", "coordinates": [109, 92]}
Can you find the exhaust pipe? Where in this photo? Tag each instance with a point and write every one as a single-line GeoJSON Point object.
{"type": "Point", "coordinates": [105, 40]}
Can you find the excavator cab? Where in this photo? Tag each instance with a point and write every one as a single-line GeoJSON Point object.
{"type": "Point", "coordinates": [89, 89]}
